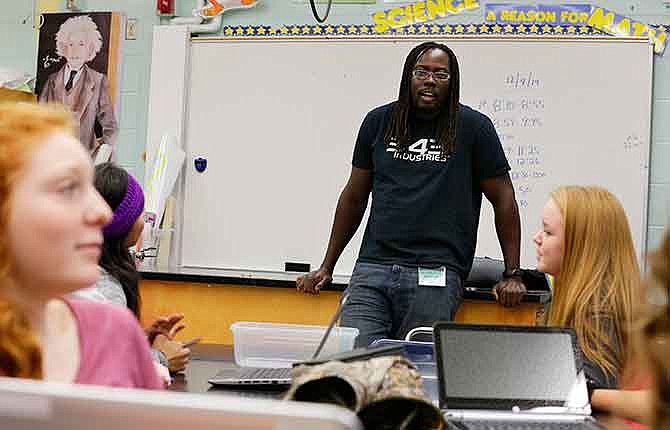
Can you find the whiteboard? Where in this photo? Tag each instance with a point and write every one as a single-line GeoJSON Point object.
{"type": "Point", "coordinates": [277, 119]}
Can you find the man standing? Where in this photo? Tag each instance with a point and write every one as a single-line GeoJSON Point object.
{"type": "Point", "coordinates": [427, 160]}
{"type": "Point", "coordinates": [83, 90]}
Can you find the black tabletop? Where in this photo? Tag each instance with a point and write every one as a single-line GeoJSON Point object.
{"type": "Point", "coordinates": [206, 361]}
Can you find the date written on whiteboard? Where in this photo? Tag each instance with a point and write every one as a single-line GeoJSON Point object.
{"type": "Point", "coordinates": [522, 80]}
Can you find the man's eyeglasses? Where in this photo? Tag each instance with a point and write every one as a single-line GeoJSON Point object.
{"type": "Point", "coordinates": [438, 76]}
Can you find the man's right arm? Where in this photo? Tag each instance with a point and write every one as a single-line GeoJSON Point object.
{"type": "Point", "coordinates": [348, 215]}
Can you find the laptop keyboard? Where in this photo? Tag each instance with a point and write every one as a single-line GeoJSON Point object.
{"type": "Point", "coordinates": [266, 373]}
{"type": "Point", "coordinates": [506, 425]}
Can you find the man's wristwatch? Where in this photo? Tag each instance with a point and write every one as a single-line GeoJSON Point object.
{"type": "Point", "coordinates": [512, 273]}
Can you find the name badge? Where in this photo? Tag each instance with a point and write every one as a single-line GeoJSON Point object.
{"type": "Point", "coordinates": [433, 277]}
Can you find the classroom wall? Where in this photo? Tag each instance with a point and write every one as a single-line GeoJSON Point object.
{"type": "Point", "coordinates": [18, 49]}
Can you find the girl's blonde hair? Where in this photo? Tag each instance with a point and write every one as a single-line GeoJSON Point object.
{"type": "Point", "coordinates": [599, 275]}
{"type": "Point", "coordinates": [655, 329]}
{"type": "Point", "coordinates": [23, 127]}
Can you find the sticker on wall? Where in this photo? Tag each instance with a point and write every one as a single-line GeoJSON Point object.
{"type": "Point", "coordinates": [563, 14]}
{"type": "Point", "coordinates": [78, 64]}
{"type": "Point", "coordinates": [619, 25]}
{"type": "Point", "coordinates": [200, 164]}
{"type": "Point", "coordinates": [217, 7]}
{"type": "Point", "coordinates": [597, 18]}
{"type": "Point", "coordinates": [207, 15]}
{"type": "Point", "coordinates": [420, 12]}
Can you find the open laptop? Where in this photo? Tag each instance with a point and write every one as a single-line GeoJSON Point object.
{"type": "Point", "coordinates": [271, 376]}
{"type": "Point", "coordinates": [508, 377]}
{"type": "Point", "coordinates": [38, 405]}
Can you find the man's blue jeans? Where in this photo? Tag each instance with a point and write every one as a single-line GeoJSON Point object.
{"type": "Point", "coordinates": [386, 301]}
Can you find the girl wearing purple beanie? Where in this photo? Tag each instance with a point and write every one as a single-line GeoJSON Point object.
{"type": "Point", "coordinates": [119, 280]}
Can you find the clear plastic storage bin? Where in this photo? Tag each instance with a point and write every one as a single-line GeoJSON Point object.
{"type": "Point", "coordinates": [280, 345]}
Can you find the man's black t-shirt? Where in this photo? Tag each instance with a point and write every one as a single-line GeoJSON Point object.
{"type": "Point", "coordinates": [425, 206]}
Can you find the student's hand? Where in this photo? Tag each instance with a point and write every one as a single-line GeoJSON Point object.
{"type": "Point", "coordinates": [314, 281]}
{"type": "Point", "coordinates": [174, 351]}
{"type": "Point", "coordinates": [168, 326]}
{"type": "Point", "coordinates": [163, 374]}
{"type": "Point", "coordinates": [510, 291]}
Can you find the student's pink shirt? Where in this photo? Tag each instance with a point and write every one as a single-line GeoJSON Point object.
{"type": "Point", "coordinates": [641, 382]}
{"type": "Point", "coordinates": [113, 348]}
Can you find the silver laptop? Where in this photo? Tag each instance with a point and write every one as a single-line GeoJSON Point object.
{"type": "Point", "coordinates": [508, 377]}
{"type": "Point", "coordinates": [271, 376]}
{"type": "Point", "coordinates": [38, 405]}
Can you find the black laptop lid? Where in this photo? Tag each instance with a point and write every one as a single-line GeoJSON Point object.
{"type": "Point", "coordinates": [499, 367]}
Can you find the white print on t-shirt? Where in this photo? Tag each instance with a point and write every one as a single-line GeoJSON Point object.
{"type": "Point", "coordinates": [421, 150]}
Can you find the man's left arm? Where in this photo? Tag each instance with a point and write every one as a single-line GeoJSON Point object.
{"type": "Point", "coordinates": [500, 192]}
{"type": "Point", "coordinates": [105, 114]}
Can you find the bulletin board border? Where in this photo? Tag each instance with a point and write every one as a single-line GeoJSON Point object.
{"type": "Point", "coordinates": [471, 29]}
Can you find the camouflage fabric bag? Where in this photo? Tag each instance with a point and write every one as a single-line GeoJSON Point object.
{"type": "Point", "coordinates": [385, 392]}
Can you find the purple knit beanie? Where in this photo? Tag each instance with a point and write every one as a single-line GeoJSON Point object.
{"type": "Point", "coordinates": [127, 212]}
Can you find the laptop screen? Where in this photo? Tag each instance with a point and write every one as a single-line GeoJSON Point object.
{"type": "Point", "coordinates": [497, 367]}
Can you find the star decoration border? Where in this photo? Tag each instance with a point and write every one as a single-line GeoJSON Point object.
{"type": "Point", "coordinates": [466, 29]}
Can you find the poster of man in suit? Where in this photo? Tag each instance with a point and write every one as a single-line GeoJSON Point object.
{"type": "Point", "coordinates": [78, 66]}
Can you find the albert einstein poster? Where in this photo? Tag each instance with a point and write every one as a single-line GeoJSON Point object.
{"type": "Point", "coordinates": [78, 66]}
